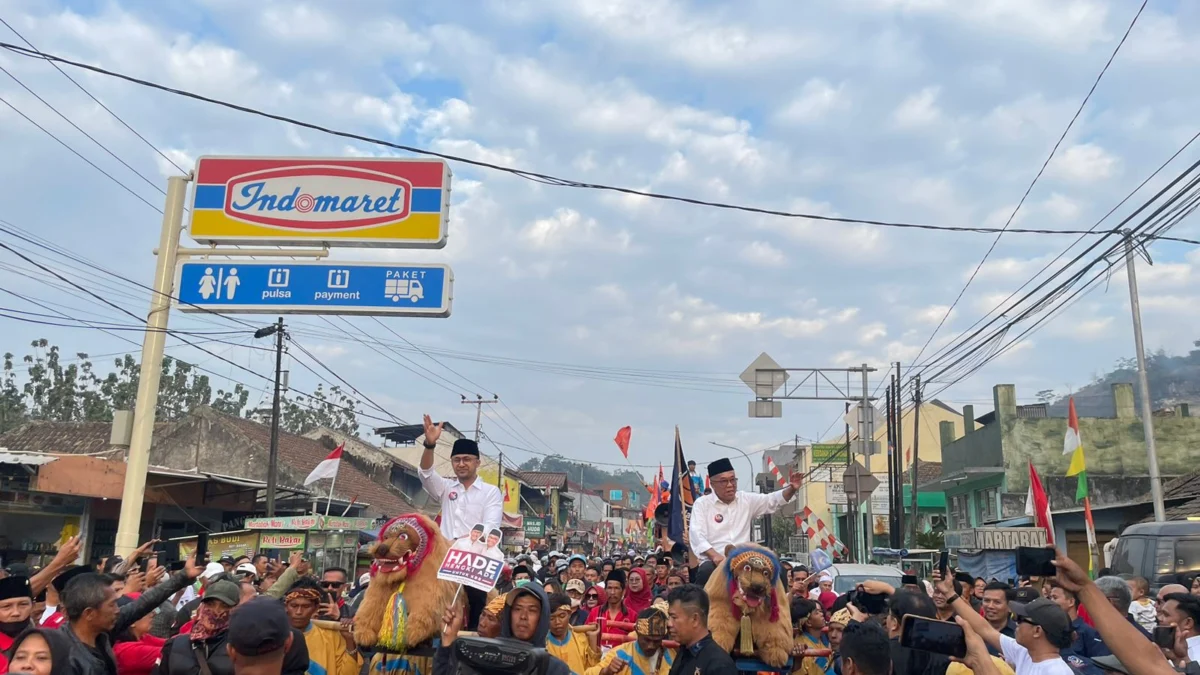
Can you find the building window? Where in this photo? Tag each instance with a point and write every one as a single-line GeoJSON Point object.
{"type": "Point", "coordinates": [985, 506]}
{"type": "Point", "coordinates": [960, 515]}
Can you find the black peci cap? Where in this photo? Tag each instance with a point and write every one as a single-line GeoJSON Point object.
{"type": "Point", "coordinates": [465, 446]}
{"type": "Point", "coordinates": [720, 466]}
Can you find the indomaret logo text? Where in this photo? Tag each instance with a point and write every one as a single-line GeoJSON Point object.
{"type": "Point", "coordinates": [318, 197]}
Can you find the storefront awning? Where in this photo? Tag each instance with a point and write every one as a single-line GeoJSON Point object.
{"type": "Point", "coordinates": [28, 459]}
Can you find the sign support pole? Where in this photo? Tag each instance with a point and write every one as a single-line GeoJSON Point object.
{"type": "Point", "coordinates": [866, 434]}
{"type": "Point", "coordinates": [138, 460]}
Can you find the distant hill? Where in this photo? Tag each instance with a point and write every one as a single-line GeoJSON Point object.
{"type": "Point", "coordinates": [1173, 380]}
{"type": "Point", "coordinates": [592, 476]}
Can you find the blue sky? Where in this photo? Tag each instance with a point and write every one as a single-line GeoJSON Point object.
{"type": "Point", "coordinates": [926, 111]}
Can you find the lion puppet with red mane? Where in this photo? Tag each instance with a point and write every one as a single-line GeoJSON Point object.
{"type": "Point", "coordinates": [746, 595]}
{"type": "Point", "coordinates": [404, 604]}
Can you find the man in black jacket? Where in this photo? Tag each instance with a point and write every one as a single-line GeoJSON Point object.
{"type": "Point", "coordinates": [687, 620]}
{"type": "Point", "coordinates": [94, 618]}
{"type": "Point", "coordinates": [526, 617]}
{"type": "Point", "coordinates": [210, 635]}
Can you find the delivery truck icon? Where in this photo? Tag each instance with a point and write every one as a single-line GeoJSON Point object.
{"type": "Point", "coordinates": [396, 289]}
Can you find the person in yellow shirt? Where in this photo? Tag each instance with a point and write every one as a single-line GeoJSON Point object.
{"type": "Point", "coordinates": [644, 656]}
{"type": "Point", "coordinates": [574, 649]}
{"type": "Point", "coordinates": [330, 652]}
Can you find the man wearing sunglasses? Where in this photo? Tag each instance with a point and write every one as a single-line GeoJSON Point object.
{"type": "Point", "coordinates": [333, 582]}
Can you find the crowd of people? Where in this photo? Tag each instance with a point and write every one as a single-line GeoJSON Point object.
{"type": "Point", "coordinates": [248, 615]}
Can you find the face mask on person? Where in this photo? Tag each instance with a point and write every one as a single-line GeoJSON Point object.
{"type": "Point", "coordinates": [13, 628]}
{"type": "Point", "coordinates": [575, 603]}
{"type": "Point", "coordinates": [519, 583]}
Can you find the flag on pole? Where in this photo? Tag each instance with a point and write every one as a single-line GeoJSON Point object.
{"type": "Point", "coordinates": [1073, 446]}
{"type": "Point", "coordinates": [683, 494]}
{"type": "Point", "coordinates": [507, 495]}
{"type": "Point", "coordinates": [1037, 504]}
{"type": "Point", "coordinates": [622, 440]}
{"type": "Point", "coordinates": [328, 467]}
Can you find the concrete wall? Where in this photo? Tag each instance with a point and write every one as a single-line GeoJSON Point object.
{"type": "Point", "coordinates": [980, 448]}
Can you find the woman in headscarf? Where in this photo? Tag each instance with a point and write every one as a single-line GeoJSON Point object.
{"type": "Point", "coordinates": [592, 598]}
{"type": "Point", "coordinates": [40, 651]}
{"type": "Point", "coordinates": [639, 594]}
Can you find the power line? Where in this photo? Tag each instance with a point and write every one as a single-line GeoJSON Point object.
{"type": "Point", "coordinates": [1032, 183]}
{"type": "Point", "coordinates": [96, 100]}
{"type": "Point", "coordinates": [528, 175]}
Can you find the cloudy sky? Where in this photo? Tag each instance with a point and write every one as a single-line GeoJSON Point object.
{"type": "Point", "coordinates": [588, 310]}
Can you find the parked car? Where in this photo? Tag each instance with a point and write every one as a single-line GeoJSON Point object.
{"type": "Point", "coordinates": [847, 576]}
{"type": "Point", "coordinates": [1163, 553]}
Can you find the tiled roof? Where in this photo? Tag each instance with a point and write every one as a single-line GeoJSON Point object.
{"type": "Point", "coordinates": [303, 454]}
{"type": "Point", "coordinates": [73, 438]}
{"type": "Point", "coordinates": [544, 479]}
{"type": "Point", "coordinates": [928, 471]}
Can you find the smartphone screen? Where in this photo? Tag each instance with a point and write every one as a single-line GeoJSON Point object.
{"type": "Point", "coordinates": [201, 547]}
{"type": "Point", "coordinates": [944, 563]}
{"type": "Point", "coordinates": [1164, 636]}
{"type": "Point", "coordinates": [1035, 561]}
{"type": "Point", "coordinates": [930, 635]}
{"type": "Point", "coordinates": [909, 580]}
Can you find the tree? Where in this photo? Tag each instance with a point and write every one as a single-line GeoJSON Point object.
{"type": "Point", "coordinates": [1046, 396]}
{"type": "Point", "coordinates": [57, 391]}
{"type": "Point", "coordinates": [12, 400]}
{"type": "Point", "coordinates": [337, 411]}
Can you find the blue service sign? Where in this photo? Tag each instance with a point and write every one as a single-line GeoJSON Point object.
{"type": "Point", "coordinates": [314, 288]}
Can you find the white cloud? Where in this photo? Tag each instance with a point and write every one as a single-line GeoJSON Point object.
{"type": "Point", "coordinates": [816, 100]}
{"type": "Point", "coordinates": [1083, 163]}
{"type": "Point", "coordinates": [760, 253]}
{"type": "Point", "coordinates": [918, 110]}
{"type": "Point", "coordinates": [569, 229]}
{"type": "Point", "coordinates": [871, 333]}
{"type": "Point", "coordinates": [932, 314]}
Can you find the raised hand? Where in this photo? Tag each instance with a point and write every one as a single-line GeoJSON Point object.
{"type": "Point", "coordinates": [432, 431]}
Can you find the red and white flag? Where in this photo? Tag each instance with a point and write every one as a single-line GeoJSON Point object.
{"type": "Point", "coordinates": [1037, 504]}
{"type": "Point", "coordinates": [328, 467]}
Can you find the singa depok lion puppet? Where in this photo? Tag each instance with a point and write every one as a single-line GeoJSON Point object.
{"type": "Point", "coordinates": [404, 604]}
{"type": "Point", "coordinates": [746, 594]}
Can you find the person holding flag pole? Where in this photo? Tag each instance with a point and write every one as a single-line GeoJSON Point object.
{"type": "Point", "coordinates": [327, 468]}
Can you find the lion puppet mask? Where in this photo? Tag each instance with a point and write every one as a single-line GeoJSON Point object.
{"type": "Point", "coordinates": [746, 591]}
{"type": "Point", "coordinates": [404, 604]}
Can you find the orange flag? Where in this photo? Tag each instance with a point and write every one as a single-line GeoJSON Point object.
{"type": "Point", "coordinates": [622, 440]}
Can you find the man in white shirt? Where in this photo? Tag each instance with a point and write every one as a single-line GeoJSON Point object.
{"type": "Point", "coordinates": [1043, 630]}
{"type": "Point", "coordinates": [466, 501]}
{"type": "Point", "coordinates": [725, 516]}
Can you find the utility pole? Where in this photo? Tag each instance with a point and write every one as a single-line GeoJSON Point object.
{"type": "Point", "coordinates": [916, 457]}
{"type": "Point", "coordinates": [898, 404]}
{"type": "Point", "coordinates": [852, 510]}
{"type": "Point", "coordinates": [479, 402]}
{"type": "Point", "coordinates": [866, 434]}
{"type": "Point", "coordinates": [891, 465]}
{"type": "Point", "coordinates": [275, 329]}
{"type": "Point", "coordinates": [1156, 493]}
{"type": "Point", "coordinates": [137, 462]}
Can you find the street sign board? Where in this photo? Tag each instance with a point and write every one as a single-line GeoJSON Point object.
{"type": "Point", "coordinates": [287, 287]}
{"type": "Point", "coordinates": [859, 482]}
{"type": "Point", "coordinates": [764, 377]}
{"type": "Point", "coordinates": [835, 493]}
{"type": "Point", "coordinates": [386, 202]}
{"type": "Point", "coordinates": [535, 528]}
{"type": "Point", "coordinates": [829, 453]}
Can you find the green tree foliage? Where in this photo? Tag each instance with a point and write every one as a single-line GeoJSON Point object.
{"type": "Point", "coordinates": [71, 391]}
{"type": "Point", "coordinates": [593, 477]}
{"type": "Point", "coordinates": [336, 410]}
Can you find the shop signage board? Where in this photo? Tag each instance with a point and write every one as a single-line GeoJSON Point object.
{"type": "Point", "coordinates": [383, 202]}
{"type": "Point", "coordinates": [535, 528]}
{"type": "Point", "coordinates": [287, 287]}
{"type": "Point", "coordinates": [282, 540]}
{"type": "Point", "coordinates": [309, 522]}
{"type": "Point", "coordinates": [996, 538]}
{"type": "Point", "coordinates": [222, 544]}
